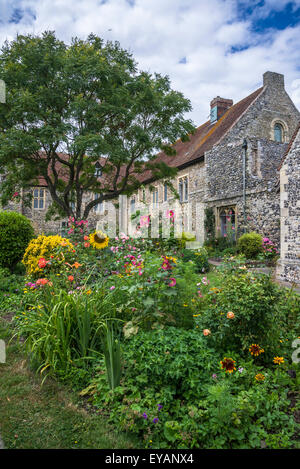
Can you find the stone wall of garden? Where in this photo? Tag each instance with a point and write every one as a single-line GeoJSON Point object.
{"type": "Point", "coordinates": [288, 268]}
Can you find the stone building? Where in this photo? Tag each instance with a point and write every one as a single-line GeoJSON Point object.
{"type": "Point", "coordinates": [288, 268]}
{"type": "Point", "coordinates": [229, 166]}
{"type": "Point", "coordinates": [230, 163]}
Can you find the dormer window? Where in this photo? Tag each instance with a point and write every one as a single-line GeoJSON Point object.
{"type": "Point", "coordinates": [98, 170]}
{"type": "Point", "coordinates": [278, 133]}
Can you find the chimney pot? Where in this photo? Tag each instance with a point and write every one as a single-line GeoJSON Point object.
{"type": "Point", "coordinates": [218, 107]}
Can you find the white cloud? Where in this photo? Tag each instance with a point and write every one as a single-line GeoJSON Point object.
{"type": "Point", "coordinates": [222, 54]}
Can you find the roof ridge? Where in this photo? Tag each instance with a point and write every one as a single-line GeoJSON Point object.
{"type": "Point", "coordinates": [226, 114]}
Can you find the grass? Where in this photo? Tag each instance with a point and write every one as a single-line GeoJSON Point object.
{"type": "Point", "coordinates": [48, 416]}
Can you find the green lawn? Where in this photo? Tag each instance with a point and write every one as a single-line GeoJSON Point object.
{"type": "Point", "coordinates": [35, 416]}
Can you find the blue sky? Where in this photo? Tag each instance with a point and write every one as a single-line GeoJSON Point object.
{"type": "Point", "coordinates": [207, 48]}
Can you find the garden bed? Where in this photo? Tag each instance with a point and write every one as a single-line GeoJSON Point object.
{"type": "Point", "coordinates": [171, 354]}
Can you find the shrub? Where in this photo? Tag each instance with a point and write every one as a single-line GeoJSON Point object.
{"type": "Point", "coordinates": [242, 312]}
{"type": "Point", "coordinates": [199, 257]}
{"type": "Point", "coordinates": [250, 244]}
{"type": "Point", "coordinates": [15, 233]}
{"type": "Point", "coordinates": [43, 247]}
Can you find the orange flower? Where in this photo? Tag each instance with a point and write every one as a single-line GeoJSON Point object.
{"type": "Point", "coordinates": [255, 350]}
{"type": "Point", "coordinates": [228, 364]}
{"type": "Point", "coordinates": [206, 332]}
{"type": "Point", "coordinates": [278, 360]}
{"type": "Point", "coordinates": [41, 281]}
{"type": "Point", "coordinates": [42, 263]}
{"type": "Point", "coordinates": [230, 315]}
{"type": "Point", "coordinates": [76, 265]}
{"type": "Point", "coordinates": [86, 238]}
{"type": "Point", "coordinates": [71, 278]}
{"type": "Point", "coordinates": [259, 377]}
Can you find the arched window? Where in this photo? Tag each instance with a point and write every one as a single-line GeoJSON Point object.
{"type": "Point", "coordinates": [98, 170]}
{"type": "Point", "coordinates": [278, 133]}
{"type": "Point", "coordinates": [227, 222]}
{"type": "Point", "coordinates": [132, 205]}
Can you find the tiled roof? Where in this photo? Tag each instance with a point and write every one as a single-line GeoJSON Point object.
{"type": "Point", "coordinates": [205, 137]}
{"type": "Point", "coordinates": [188, 153]}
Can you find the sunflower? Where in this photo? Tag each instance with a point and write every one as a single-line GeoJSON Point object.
{"type": "Point", "coordinates": [228, 364]}
{"type": "Point", "coordinates": [99, 240]}
{"type": "Point", "coordinates": [255, 350]}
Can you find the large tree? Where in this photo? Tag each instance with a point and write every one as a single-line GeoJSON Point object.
{"type": "Point", "coordinates": [69, 107]}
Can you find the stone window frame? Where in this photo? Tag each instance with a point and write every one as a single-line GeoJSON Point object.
{"type": "Point", "coordinates": [39, 198]}
{"type": "Point", "coordinates": [285, 129]}
{"type": "Point", "coordinates": [155, 191]}
{"type": "Point", "coordinates": [132, 205]}
{"type": "Point", "coordinates": [183, 178]}
{"type": "Point", "coordinates": [142, 195]}
{"type": "Point", "coordinates": [218, 211]}
{"type": "Point", "coordinates": [165, 192]}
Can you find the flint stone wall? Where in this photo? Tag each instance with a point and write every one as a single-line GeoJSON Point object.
{"type": "Point", "coordinates": [288, 268]}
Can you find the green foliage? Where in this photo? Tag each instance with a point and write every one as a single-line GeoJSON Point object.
{"type": "Point", "coordinates": [10, 283]}
{"type": "Point", "coordinates": [15, 233]}
{"type": "Point", "coordinates": [209, 223]}
{"type": "Point", "coordinates": [89, 97]}
{"type": "Point", "coordinates": [174, 395]}
{"type": "Point", "coordinates": [112, 354]}
{"type": "Point", "coordinates": [62, 331]}
{"type": "Point", "coordinates": [252, 300]}
{"type": "Point", "coordinates": [250, 244]}
{"type": "Point", "coordinates": [198, 256]}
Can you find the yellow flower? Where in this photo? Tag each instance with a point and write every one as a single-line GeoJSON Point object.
{"type": "Point", "coordinates": [255, 350]}
{"type": "Point", "coordinates": [278, 360]}
{"type": "Point", "coordinates": [99, 240]}
{"type": "Point", "coordinates": [88, 292]}
{"type": "Point", "coordinates": [228, 364]}
{"type": "Point", "coordinates": [259, 377]}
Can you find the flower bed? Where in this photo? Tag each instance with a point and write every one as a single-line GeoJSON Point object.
{"type": "Point", "coordinates": [180, 357]}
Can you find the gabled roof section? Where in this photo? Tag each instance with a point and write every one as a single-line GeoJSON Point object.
{"type": "Point", "coordinates": [204, 138]}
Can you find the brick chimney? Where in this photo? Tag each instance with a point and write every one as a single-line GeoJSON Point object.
{"type": "Point", "coordinates": [218, 107]}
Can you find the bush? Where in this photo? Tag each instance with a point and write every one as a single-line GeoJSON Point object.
{"type": "Point", "coordinates": [242, 312]}
{"type": "Point", "coordinates": [250, 244]}
{"type": "Point", "coordinates": [15, 233]}
{"type": "Point", "coordinates": [199, 257]}
{"type": "Point", "coordinates": [43, 247]}
{"type": "Point", "coordinates": [10, 283]}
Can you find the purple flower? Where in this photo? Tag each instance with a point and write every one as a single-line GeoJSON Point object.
{"type": "Point", "coordinates": [159, 406]}
{"type": "Point", "coordinates": [240, 369]}
{"type": "Point", "coordinates": [214, 376]}
{"type": "Point", "coordinates": [145, 415]}
{"type": "Point", "coordinates": [155, 420]}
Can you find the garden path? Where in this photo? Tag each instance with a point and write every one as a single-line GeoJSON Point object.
{"type": "Point", "coordinates": [263, 270]}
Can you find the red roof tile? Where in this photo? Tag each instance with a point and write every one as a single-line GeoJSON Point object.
{"type": "Point", "coordinates": [188, 153]}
